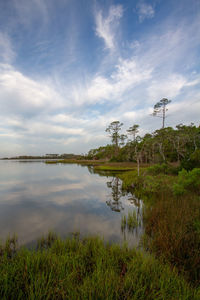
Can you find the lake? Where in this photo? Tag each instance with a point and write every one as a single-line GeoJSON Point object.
{"type": "Point", "coordinates": [64, 198]}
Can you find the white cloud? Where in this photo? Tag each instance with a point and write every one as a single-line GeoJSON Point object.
{"type": "Point", "coordinates": [193, 82]}
{"type": "Point", "coordinates": [127, 74]}
{"type": "Point", "coordinates": [22, 95]}
{"type": "Point", "coordinates": [48, 130]}
{"type": "Point", "coordinates": [145, 11]}
{"type": "Point", "coordinates": [7, 53]}
{"type": "Point", "coordinates": [168, 87]}
{"type": "Point", "coordinates": [106, 27]}
{"type": "Point", "coordinates": [70, 113]}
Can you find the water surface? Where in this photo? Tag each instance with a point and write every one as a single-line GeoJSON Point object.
{"type": "Point", "coordinates": [37, 197]}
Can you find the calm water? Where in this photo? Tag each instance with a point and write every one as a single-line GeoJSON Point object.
{"type": "Point", "coordinates": [37, 197]}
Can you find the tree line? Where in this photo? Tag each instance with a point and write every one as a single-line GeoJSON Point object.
{"type": "Point", "coordinates": [167, 144]}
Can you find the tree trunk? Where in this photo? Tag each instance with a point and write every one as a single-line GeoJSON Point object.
{"type": "Point", "coordinates": [138, 165]}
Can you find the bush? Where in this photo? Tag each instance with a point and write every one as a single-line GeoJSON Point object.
{"type": "Point", "coordinates": [191, 162]}
{"type": "Point", "coordinates": [162, 169]}
{"type": "Point", "coordinates": [187, 182]}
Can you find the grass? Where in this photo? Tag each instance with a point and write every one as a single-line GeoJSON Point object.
{"type": "Point", "coordinates": [73, 161]}
{"type": "Point", "coordinates": [171, 217]}
{"type": "Point", "coordinates": [130, 221]}
{"type": "Point", "coordinates": [171, 213]}
{"type": "Point", "coordinates": [86, 269]}
{"type": "Point", "coordinates": [99, 165]}
{"type": "Point", "coordinates": [113, 168]}
{"type": "Point", "coordinates": [172, 230]}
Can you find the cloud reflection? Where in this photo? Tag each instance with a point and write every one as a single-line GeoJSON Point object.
{"type": "Point", "coordinates": [65, 200]}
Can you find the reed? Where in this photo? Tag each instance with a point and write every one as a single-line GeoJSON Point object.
{"type": "Point", "coordinates": [86, 269]}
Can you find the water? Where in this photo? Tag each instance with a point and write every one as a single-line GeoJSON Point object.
{"type": "Point", "coordinates": [37, 197]}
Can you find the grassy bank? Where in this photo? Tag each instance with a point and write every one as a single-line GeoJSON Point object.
{"type": "Point", "coordinates": [101, 165]}
{"type": "Point", "coordinates": [111, 168]}
{"type": "Point", "coordinates": [86, 269]}
{"type": "Point", "coordinates": [73, 161]}
{"type": "Point", "coordinates": [171, 216]}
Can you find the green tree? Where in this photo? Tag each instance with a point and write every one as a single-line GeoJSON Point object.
{"type": "Point", "coordinates": [113, 129]}
{"type": "Point", "coordinates": [160, 110]}
{"type": "Point", "coordinates": [132, 131]}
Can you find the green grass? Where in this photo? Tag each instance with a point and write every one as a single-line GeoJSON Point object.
{"type": "Point", "coordinates": [130, 221]}
{"type": "Point", "coordinates": [171, 217]}
{"type": "Point", "coordinates": [123, 223]}
{"type": "Point", "coordinates": [86, 269]}
{"type": "Point", "coordinates": [73, 161]}
{"type": "Point", "coordinates": [114, 168]}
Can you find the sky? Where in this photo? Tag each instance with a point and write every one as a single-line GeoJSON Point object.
{"type": "Point", "coordinates": [68, 68]}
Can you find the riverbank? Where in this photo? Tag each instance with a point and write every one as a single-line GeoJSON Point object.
{"type": "Point", "coordinates": [171, 215]}
{"type": "Point", "coordinates": [86, 269]}
{"type": "Point", "coordinates": [99, 164]}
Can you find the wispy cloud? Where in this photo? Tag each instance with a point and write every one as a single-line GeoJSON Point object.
{"type": "Point", "coordinates": [22, 95]}
{"type": "Point", "coordinates": [128, 73]}
{"type": "Point", "coordinates": [145, 11]}
{"type": "Point", "coordinates": [169, 86]}
{"type": "Point", "coordinates": [60, 90]}
{"type": "Point", "coordinates": [30, 11]}
{"type": "Point", "coordinates": [106, 26]}
{"type": "Point", "coordinates": [7, 53]}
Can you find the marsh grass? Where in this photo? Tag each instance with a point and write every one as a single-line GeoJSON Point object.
{"type": "Point", "coordinates": [114, 168]}
{"type": "Point", "coordinates": [86, 269]}
{"type": "Point", "coordinates": [171, 217]}
{"type": "Point", "coordinates": [123, 223]}
{"type": "Point", "coordinates": [172, 229]}
{"type": "Point", "coordinates": [130, 221]}
{"type": "Point", "coordinates": [73, 161]}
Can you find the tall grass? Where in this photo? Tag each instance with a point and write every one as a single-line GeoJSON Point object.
{"type": "Point", "coordinates": [171, 217]}
{"type": "Point", "coordinates": [174, 234]}
{"type": "Point", "coordinates": [86, 269]}
{"type": "Point", "coordinates": [130, 221]}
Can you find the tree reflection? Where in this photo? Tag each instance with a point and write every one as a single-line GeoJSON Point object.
{"type": "Point", "coordinates": [132, 222]}
{"type": "Point", "coordinates": [114, 202]}
{"type": "Point", "coordinates": [137, 203]}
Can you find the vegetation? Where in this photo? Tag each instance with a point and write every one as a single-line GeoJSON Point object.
{"type": "Point", "coordinates": [162, 168]}
{"type": "Point", "coordinates": [171, 215]}
{"type": "Point", "coordinates": [86, 269]}
{"type": "Point", "coordinates": [73, 161]}
{"type": "Point", "coordinates": [121, 168]}
{"type": "Point", "coordinates": [130, 222]}
{"type": "Point", "coordinates": [160, 110]}
{"type": "Point", "coordinates": [180, 146]}
{"type": "Point", "coordinates": [188, 182]}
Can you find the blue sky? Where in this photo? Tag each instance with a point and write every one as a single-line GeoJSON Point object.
{"type": "Point", "coordinates": [70, 67]}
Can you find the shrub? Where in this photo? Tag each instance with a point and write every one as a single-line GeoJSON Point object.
{"type": "Point", "coordinates": [191, 162]}
{"type": "Point", "coordinates": [162, 169]}
{"type": "Point", "coordinates": [187, 182]}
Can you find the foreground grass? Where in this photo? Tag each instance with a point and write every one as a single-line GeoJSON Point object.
{"type": "Point", "coordinates": [86, 269]}
{"type": "Point", "coordinates": [171, 217]}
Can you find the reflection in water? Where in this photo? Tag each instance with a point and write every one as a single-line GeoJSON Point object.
{"type": "Point", "coordinates": [114, 202]}
{"type": "Point", "coordinates": [131, 220]}
{"type": "Point", "coordinates": [137, 204]}
{"type": "Point", "coordinates": [36, 198]}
